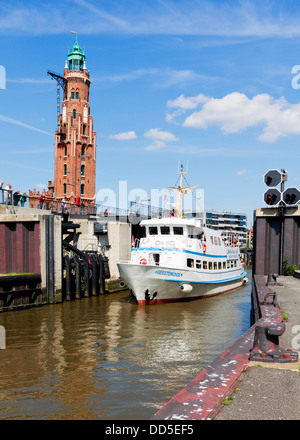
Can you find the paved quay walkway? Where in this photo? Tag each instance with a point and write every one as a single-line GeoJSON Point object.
{"type": "Point", "coordinates": [271, 391]}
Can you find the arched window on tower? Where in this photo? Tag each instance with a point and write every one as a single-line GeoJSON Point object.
{"type": "Point", "coordinates": [82, 170]}
{"type": "Point", "coordinates": [66, 151]}
{"type": "Point", "coordinates": [82, 189]}
{"type": "Point", "coordinates": [74, 114]}
{"type": "Point", "coordinates": [65, 170]}
{"type": "Point", "coordinates": [83, 150]}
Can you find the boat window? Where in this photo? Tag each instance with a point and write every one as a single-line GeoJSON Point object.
{"type": "Point", "coordinates": [210, 265]}
{"type": "Point", "coordinates": [204, 264]}
{"type": "Point", "coordinates": [142, 232]}
{"type": "Point", "coordinates": [192, 233]}
{"type": "Point", "coordinates": [228, 264]}
{"type": "Point", "coordinates": [198, 264]}
{"type": "Point", "coordinates": [219, 265]}
{"type": "Point", "coordinates": [231, 263]}
{"type": "Point", "coordinates": [178, 230]}
{"type": "Point", "coordinates": [215, 265]}
{"type": "Point", "coordinates": [156, 259]}
{"type": "Point", "coordinates": [216, 241]}
{"type": "Point", "coordinates": [235, 263]}
{"type": "Point", "coordinates": [200, 236]}
{"type": "Point", "coordinates": [152, 230]}
{"type": "Point", "coordinates": [219, 241]}
{"type": "Point", "coordinates": [224, 264]}
{"type": "Point", "coordinates": [212, 239]}
{"type": "Point", "coordinates": [165, 230]}
{"type": "Point", "coordinates": [190, 262]}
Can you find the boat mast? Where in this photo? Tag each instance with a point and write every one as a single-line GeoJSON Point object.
{"type": "Point", "coordinates": [180, 190]}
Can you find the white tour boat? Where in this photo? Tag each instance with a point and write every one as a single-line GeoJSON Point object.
{"type": "Point", "coordinates": [180, 259]}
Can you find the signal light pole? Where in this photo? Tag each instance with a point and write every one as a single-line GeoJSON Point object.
{"type": "Point", "coordinates": [283, 198]}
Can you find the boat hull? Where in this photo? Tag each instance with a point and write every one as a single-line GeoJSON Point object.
{"type": "Point", "coordinates": [154, 285]}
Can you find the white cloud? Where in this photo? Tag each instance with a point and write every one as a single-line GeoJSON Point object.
{"type": "Point", "coordinates": [236, 112]}
{"type": "Point", "coordinates": [28, 80]}
{"type": "Point", "coordinates": [128, 76]}
{"type": "Point", "coordinates": [206, 17]}
{"type": "Point", "coordinates": [183, 104]}
{"type": "Point", "coordinates": [187, 103]}
{"type": "Point", "coordinates": [160, 138]}
{"type": "Point", "coordinates": [161, 78]}
{"type": "Point", "coordinates": [156, 145]}
{"type": "Point", "coordinates": [41, 186]}
{"type": "Point", "coordinates": [22, 124]}
{"type": "Point", "coordinates": [240, 172]}
{"type": "Point", "coordinates": [155, 133]}
{"type": "Point", "coordinates": [125, 136]}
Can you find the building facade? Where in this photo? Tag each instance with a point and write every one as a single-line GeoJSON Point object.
{"type": "Point", "coordinates": [75, 139]}
{"type": "Point", "coordinates": [230, 225]}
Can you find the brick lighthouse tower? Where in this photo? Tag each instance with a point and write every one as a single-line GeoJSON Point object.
{"type": "Point", "coordinates": [75, 140]}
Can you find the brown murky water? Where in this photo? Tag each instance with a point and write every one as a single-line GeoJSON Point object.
{"type": "Point", "coordinates": [108, 358]}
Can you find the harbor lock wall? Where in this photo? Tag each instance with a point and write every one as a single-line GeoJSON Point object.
{"type": "Point", "coordinates": [276, 239]}
{"type": "Point", "coordinates": [30, 257]}
{"type": "Point", "coordinates": [45, 259]}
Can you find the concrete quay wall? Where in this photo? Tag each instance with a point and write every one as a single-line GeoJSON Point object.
{"type": "Point", "coordinates": [218, 391]}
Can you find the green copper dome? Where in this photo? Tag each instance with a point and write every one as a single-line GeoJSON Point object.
{"type": "Point", "coordinates": [76, 57]}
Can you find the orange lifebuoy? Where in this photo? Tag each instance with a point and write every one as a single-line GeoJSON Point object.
{"type": "Point", "coordinates": [204, 246]}
{"type": "Point", "coordinates": [143, 261]}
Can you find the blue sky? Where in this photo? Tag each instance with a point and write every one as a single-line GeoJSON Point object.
{"type": "Point", "coordinates": [205, 83]}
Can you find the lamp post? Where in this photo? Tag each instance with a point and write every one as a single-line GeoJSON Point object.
{"type": "Point", "coordinates": [83, 155]}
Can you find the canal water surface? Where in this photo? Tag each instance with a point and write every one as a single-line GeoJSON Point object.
{"type": "Point", "coordinates": [107, 358]}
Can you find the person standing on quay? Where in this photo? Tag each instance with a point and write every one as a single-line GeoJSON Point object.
{"type": "Point", "coordinates": [63, 205]}
{"type": "Point", "coordinates": [2, 195]}
{"type": "Point", "coordinates": [8, 194]}
{"type": "Point", "coordinates": [42, 199]}
{"type": "Point", "coordinates": [23, 199]}
{"type": "Point", "coordinates": [16, 197]}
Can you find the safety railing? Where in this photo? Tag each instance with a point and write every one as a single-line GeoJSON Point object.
{"type": "Point", "coordinates": [59, 207]}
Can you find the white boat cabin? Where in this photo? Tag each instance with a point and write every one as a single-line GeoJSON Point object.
{"type": "Point", "coordinates": [184, 243]}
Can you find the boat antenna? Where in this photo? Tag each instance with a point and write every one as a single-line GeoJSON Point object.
{"type": "Point", "coordinates": [180, 190]}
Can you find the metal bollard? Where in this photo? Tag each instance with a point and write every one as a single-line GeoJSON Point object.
{"type": "Point", "coordinates": [77, 265]}
{"type": "Point", "coordinates": [95, 275]}
{"type": "Point", "coordinates": [68, 288]}
{"type": "Point", "coordinates": [266, 345]}
{"type": "Point", "coordinates": [272, 280]}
